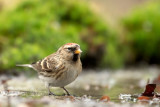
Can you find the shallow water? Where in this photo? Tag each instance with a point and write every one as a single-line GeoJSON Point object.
{"type": "Point", "coordinates": [88, 88]}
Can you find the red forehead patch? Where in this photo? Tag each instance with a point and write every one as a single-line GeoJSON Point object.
{"type": "Point", "coordinates": [70, 43]}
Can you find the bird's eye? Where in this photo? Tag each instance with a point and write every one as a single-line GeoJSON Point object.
{"type": "Point", "coordinates": [69, 49]}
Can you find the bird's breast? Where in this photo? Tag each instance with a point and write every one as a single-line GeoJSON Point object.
{"type": "Point", "coordinates": [65, 78]}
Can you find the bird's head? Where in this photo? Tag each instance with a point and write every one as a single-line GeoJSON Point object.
{"type": "Point", "coordinates": [70, 51]}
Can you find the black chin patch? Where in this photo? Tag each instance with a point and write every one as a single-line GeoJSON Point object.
{"type": "Point", "coordinates": [75, 57]}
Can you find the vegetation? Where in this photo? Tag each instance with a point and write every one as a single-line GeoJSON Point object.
{"type": "Point", "coordinates": [143, 34]}
{"type": "Point", "coordinates": [37, 28]}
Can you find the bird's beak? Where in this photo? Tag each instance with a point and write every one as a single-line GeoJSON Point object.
{"type": "Point", "coordinates": [78, 51]}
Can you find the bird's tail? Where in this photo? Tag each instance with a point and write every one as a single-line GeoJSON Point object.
{"type": "Point", "coordinates": [25, 65]}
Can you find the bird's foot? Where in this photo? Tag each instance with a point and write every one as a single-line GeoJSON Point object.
{"type": "Point", "coordinates": [50, 93]}
{"type": "Point", "coordinates": [66, 94]}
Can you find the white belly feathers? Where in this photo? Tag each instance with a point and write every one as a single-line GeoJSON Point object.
{"type": "Point", "coordinates": [67, 77]}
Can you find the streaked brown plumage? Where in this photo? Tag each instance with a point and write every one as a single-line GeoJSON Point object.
{"type": "Point", "coordinates": [60, 68]}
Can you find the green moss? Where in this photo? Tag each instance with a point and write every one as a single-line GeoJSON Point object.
{"type": "Point", "coordinates": [38, 28]}
{"type": "Point", "coordinates": [143, 34]}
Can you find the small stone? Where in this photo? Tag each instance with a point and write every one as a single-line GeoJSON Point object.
{"type": "Point", "coordinates": [105, 98]}
{"type": "Point", "coordinates": [143, 98]}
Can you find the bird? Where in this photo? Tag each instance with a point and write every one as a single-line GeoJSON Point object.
{"type": "Point", "coordinates": [60, 68]}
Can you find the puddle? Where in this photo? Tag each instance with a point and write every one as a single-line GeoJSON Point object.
{"type": "Point", "coordinates": [119, 88]}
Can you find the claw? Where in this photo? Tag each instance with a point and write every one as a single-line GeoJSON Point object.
{"type": "Point", "coordinates": [50, 93]}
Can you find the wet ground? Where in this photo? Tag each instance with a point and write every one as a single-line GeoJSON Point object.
{"type": "Point", "coordinates": [118, 88]}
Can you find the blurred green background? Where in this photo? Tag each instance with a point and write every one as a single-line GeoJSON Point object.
{"type": "Point", "coordinates": [33, 29]}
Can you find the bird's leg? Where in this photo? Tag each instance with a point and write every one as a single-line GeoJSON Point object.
{"type": "Point", "coordinates": [66, 91]}
{"type": "Point", "coordinates": [49, 91]}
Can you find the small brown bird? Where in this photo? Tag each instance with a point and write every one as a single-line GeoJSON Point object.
{"type": "Point", "coordinates": [60, 68]}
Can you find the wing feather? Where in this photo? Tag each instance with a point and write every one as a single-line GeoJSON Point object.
{"type": "Point", "coordinates": [49, 64]}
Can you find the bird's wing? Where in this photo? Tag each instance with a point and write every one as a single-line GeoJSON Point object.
{"type": "Point", "coordinates": [48, 64]}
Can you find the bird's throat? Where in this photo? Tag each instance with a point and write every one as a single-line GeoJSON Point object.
{"type": "Point", "coordinates": [75, 57]}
